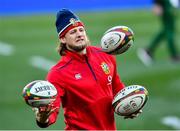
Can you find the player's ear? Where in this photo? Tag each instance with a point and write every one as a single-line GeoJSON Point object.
{"type": "Point", "coordinates": [62, 40]}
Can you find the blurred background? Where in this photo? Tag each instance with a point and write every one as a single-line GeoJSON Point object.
{"type": "Point", "coordinates": [28, 41]}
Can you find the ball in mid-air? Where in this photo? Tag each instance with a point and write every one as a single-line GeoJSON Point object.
{"type": "Point", "coordinates": [117, 40]}
{"type": "Point", "coordinates": [39, 93]}
{"type": "Point", "coordinates": [130, 100]}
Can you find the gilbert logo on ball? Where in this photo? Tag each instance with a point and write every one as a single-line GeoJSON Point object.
{"type": "Point", "coordinates": [39, 93]}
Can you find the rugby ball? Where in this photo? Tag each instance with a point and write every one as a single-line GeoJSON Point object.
{"type": "Point", "coordinates": [130, 100]}
{"type": "Point", "coordinates": [39, 93]}
{"type": "Point", "coordinates": [117, 40]}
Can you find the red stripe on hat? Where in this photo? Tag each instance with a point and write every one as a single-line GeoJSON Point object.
{"type": "Point", "coordinates": [71, 27]}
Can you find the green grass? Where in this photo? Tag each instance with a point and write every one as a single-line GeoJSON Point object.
{"type": "Point", "coordinates": [36, 35]}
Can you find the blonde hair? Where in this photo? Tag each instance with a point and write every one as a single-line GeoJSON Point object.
{"type": "Point", "coordinates": [61, 48]}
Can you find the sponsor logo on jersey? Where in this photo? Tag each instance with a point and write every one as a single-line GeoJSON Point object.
{"type": "Point", "coordinates": [109, 80]}
{"type": "Point", "coordinates": [78, 76]}
{"type": "Point", "coordinates": [105, 68]}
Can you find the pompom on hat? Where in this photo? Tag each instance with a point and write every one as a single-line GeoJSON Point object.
{"type": "Point", "coordinates": [66, 20]}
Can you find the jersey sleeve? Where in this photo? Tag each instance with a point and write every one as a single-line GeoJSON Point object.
{"type": "Point", "coordinates": [56, 104]}
{"type": "Point", "coordinates": [52, 77]}
{"type": "Point", "coordinates": [116, 83]}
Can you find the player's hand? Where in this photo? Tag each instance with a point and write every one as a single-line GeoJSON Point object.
{"type": "Point", "coordinates": [132, 116]}
{"type": "Point", "coordinates": [42, 113]}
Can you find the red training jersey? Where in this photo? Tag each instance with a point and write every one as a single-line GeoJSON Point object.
{"type": "Point", "coordinates": [86, 86]}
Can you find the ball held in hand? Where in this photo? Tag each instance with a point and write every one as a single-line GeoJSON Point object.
{"type": "Point", "coordinates": [39, 93]}
{"type": "Point", "coordinates": [130, 100]}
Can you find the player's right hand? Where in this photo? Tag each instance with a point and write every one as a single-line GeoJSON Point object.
{"type": "Point", "coordinates": [132, 116]}
{"type": "Point", "coordinates": [42, 113]}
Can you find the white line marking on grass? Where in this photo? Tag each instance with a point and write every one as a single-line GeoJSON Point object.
{"type": "Point", "coordinates": [6, 49]}
{"type": "Point", "coordinates": [41, 62]}
{"type": "Point", "coordinates": [172, 121]}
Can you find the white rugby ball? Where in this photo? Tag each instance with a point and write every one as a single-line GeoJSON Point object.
{"type": "Point", "coordinates": [39, 93]}
{"type": "Point", "coordinates": [117, 40]}
{"type": "Point", "coordinates": [130, 100]}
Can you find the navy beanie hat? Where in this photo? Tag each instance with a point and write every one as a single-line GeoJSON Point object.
{"type": "Point", "coordinates": [66, 20]}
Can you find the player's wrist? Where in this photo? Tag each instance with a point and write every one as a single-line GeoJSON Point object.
{"type": "Point", "coordinates": [42, 125]}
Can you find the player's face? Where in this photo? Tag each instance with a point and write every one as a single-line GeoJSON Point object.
{"type": "Point", "coordinates": [76, 39]}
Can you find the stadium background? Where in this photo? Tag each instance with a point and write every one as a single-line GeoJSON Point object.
{"type": "Point", "coordinates": [27, 50]}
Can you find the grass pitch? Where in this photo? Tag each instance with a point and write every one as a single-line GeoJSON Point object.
{"type": "Point", "coordinates": [35, 35]}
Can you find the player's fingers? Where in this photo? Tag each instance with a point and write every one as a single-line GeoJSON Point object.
{"type": "Point", "coordinates": [132, 115]}
{"type": "Point", "coordinates": [140, 111]}
{"type": "Point", "coordinates": [52, 110]}
{"type": "Point", "coordinates": [43, 109]}
{"type": "Point", "coordinates": [46, 108]}
{"type": "Point", "coordinates": [128, 117]}
{"type": "Point", "coordinates": [35, 110]}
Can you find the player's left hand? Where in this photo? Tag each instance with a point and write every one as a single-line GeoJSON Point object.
{"type": "Point", "coordinates": [132, 116]}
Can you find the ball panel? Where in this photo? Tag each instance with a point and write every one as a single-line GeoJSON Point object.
{"type": "Point", "coordinates": [39, 93]}
{"type": "Point", "coordinates": [111, 41]}
{"type": "Point", "coordinates": [122, 49]}
{"type": "Point", "coordinates": [40, 102]}
{"type": "Point", "coordinates": [119, 28]}
{"type": "Point", "coordinates": [113, 46]}
{"type": "Point", "coordinates": [130, 105]}
{"type": "Point", "coordinates": [43, 89]}
{"type": "Point", "coordinates": [130, 100]}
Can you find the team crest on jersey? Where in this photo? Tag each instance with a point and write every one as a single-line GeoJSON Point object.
{"type": "Point", "coordinates": [105, 68]}
{"type": "Point", "coordinates": [73, 22]}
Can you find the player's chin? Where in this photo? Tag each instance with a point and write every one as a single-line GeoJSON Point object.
{"type": "Point", "coordinates": [78, 47]}
{"type": "Point", "coordinates": [82, 44]}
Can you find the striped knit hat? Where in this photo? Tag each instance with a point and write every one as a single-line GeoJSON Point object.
{"type": "Point", "coordinates": [66, 20]}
